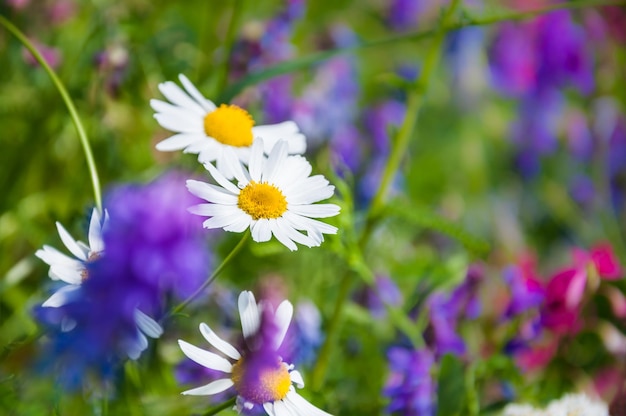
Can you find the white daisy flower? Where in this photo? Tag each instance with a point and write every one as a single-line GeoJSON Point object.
{"type": "Point", "coordinates": [207, 130]}
{"type": "Point", "coordinates": [269, 385]}
{"type": "Point", "coordinates": [570, 404]}
{"type": "Point", "coordinates": [274, 196]}
{"type": "Point", "coordinates": [73, 271]}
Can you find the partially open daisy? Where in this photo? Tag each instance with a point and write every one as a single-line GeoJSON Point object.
{"type": "Point", "coordinates": [203, 128]}
{"type": "Point", "coordinates": [258, 374]}
{"type": "Point", "coordinates": [74, 271]}
{"type": "Point", "coordinates": [274, 196]}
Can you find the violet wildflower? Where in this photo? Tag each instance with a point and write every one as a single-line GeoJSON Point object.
{"type": "Point", "coordinates": [410, 386]}
{"type": "Point", "coordinates": [526, 291]}
{"type": "Point", "coordinates": [154, 250]}
{"type": "Point", "coordinates": [383, 292]}
{"type": "Point", "coordinates": [405, 14]}
{"type": "Point", "coordinates": [51, 55]}
{"type": "Point", "coordinates": [259, 375]}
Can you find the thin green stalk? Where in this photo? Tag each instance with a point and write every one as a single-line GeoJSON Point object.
{"type": "Point", "coordinates": [399, 147]}
{"type": "Point", "coordinates": [213, 276]}
{"type": "Point", "coordinates": [91, 164]}
{"type": "Point", "coordinates": [314, 59]}
{"type": "Point", "coordinates": [222, 406]}
{"type": "Point", "coordinates": [233, 25]}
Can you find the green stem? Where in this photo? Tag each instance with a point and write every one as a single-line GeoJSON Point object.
{"type": "Point", "coordinates": [233, 25]}
{"type": "Point", "coordinates": [314, 59]}
{"type": "Point", "coordinates": [95, 181]}
{"type": "Point", "coordinates": [213, 276]}
{"type": "Point", "coordinates": [225, 405]}
{"type": "Point", "coordinates": [400, 145]}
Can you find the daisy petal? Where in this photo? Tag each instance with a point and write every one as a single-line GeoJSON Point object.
{"type": "Point", "coordinates": [70, 243]}
{"type": "Point", "coordinates": [210, 193]}
{"type": "Point", "coordinates": [95, 233]}
{"type": "Point", "coordinates": [147, 325]}
{"type": "Point", "coordinates": [174, 122]}
{"type": "Point", "coordinates": [249, 313]}
{"type": "Point", "coordinates": [177, 96]}
{"type": "Point", "coordinates": [205, 358]}
{"type": "Point", "coordinates": [283, 315]}
{"type": "Point", "coordinates": [208, 105]}
{"type": "Point", "coordinates": [179, 141]}
{"type": "Point", "coordinates": [304, 406]}
{"type": "Point", "coordinates": [214, 387]}
{"type": "Point", "coordinates": [221, 179]}
{"type": "Point", "coordinates": [61, 296]}
{"type": "Point", "coordinates": [281, 409]}
{"type": "Point", "coordinates": [296, 378]}
{"type": "Point", "coordinates": [316, 210]}
{"type": "Point", "coordinates": [261, 231]}
{"type": "Point", "coordinates": [219, 343]}
{"type": "Point", "coordinates": [52, 256]}
{"type": "Point", "coordinates": [282, 236]}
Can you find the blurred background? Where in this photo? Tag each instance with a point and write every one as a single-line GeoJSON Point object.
{"type": "Point", "coordinates": [519, 153]}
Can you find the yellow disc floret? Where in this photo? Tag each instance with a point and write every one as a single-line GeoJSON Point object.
{"type": "Point", "coordinates": [230, 125]}
{"type": "Point", "coordinates": [261, 384]}
{"type": "Point", "coordinates": [262, 200]}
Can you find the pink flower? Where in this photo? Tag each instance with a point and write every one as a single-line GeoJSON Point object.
{"type": "Point", "coordinates": [564, 294]}
{"type": "Point", "coordinates": [602, 258]}
{"type": "Point", "coordinates": [51, 55]}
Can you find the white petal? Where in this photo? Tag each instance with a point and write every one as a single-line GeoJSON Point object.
{"type": "Point", "coordinates": [70, 243]}
{"type": "Point", "coordinates": [214, 387]}
{"type": "Point", "coordinates": [261, 231]}
{"type": "Point", "coordinates": [304, 406]}
{"type": "Point", "coordinates": [240, 224]}
{"type": "Point", "coordinates": [222, 221]}
{"type": "Point", "coordinates": [315, 210]}
{"type": "Point", "coordinates": [249, 313]}
{"type": "Point", "coordinates": [219, 343]}
{"type": "Point", "coordinates": [69, 274]}
{"type": "Point", "coordinates": [286, 229]}
{"type": "Point", "coordinates": [211, 193]}
{"type": "Point", "coordinates": [179, 124]}
{"type": "Point", "coordinates": [307, 224]}
{"type": "Point", "coordinates": [67, 324]}
{"type": "Point", "coordinates": [281, 409]}
{"type": "Point", "coordinates": [96, 244]}
{"type": "Point", "coordinates": [233, 165]}
{"type": "Point", "coordinates": [61, 296]}
{"type": "Point", "coordinates": [52, 256]}
{"type": "Point", "coordinates": [137, 346]}
{"type": "Point", "coordinates": [257, 160]}
{"type": "Point", "coordinates": [205, 358]}
{"type": "Point", "coordinates": [210, 210]}
{"type": "Point", "coordinates": [147, 325]}
{"type": "Point", "coordinates": [274, 161]}
{"type": "Point", "coordinates": [177, 96]}
{"type": "Point", "coordinates": [208, 105]}
{"type": "Point", "coordinates": [179, 141]}
{"type": "Point", "coordinates": [281, 235]}
{"type": "Point", "coordinates": [282, 319]}
{"type": "Point", "coordinates": [269, 408]}
{"type": "Point", "coordinates": [296, 378]}
{"type": "Point", "coordinates": [221, 179]}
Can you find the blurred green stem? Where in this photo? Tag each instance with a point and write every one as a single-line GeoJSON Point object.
{"type": "Point", "coordinates": [399, 148]}
{"type": "Point", "coordinates": [222, 406]}
{"type": "Point", "coordinates": [91, 164]}
{"type": "Point", "coordinates": [213, 276]}
{"type": "Point", "coordinates": [233, 25]}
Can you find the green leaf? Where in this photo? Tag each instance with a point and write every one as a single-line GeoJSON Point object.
{"type": "Point", "coordinates": [425, 218]}
{"type": "Point", "coordinates": [451, 387]}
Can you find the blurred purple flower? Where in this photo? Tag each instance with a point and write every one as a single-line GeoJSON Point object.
{"type": "Point", "coordinates": [112, 64]}
{"type": "Point", "coordinates": [617, 164]}
{"type": "Point", "coordinates": [579, 136]}
{"type": "Point", "coordinates": [563, 55]}
{"type": "Point", "coordinates": [153, 250]}
{"type": "Point", "coordinates": [409, 386]}
{"type": "Point", "coordinates": [405, 14]}
{"type": "Point", "coordinates": [60, 11]}
{"type": "Point", "coordinates": [384, 292]}
{"type": "Point", "coordinates": [512, 59]}
{"type": "Point", "coordinates": [380, 119]}
{"type": "Point", "coordinates": [526, 291]}
{"type": "Point", "coordinates": [582, 189]}
{"type": "Point", "coordinates": [446, 309]}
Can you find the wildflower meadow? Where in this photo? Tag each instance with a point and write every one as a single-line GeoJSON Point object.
{"type": "Point", "coordinates": [309, 208]}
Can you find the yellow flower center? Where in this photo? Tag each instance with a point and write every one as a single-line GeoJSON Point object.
{"type": "Point", "coordinates": [261, 385]}
{"type": "Point", "coordinates": [229, 125]}
{"type": "Point", "coordinates": [262, 200]}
